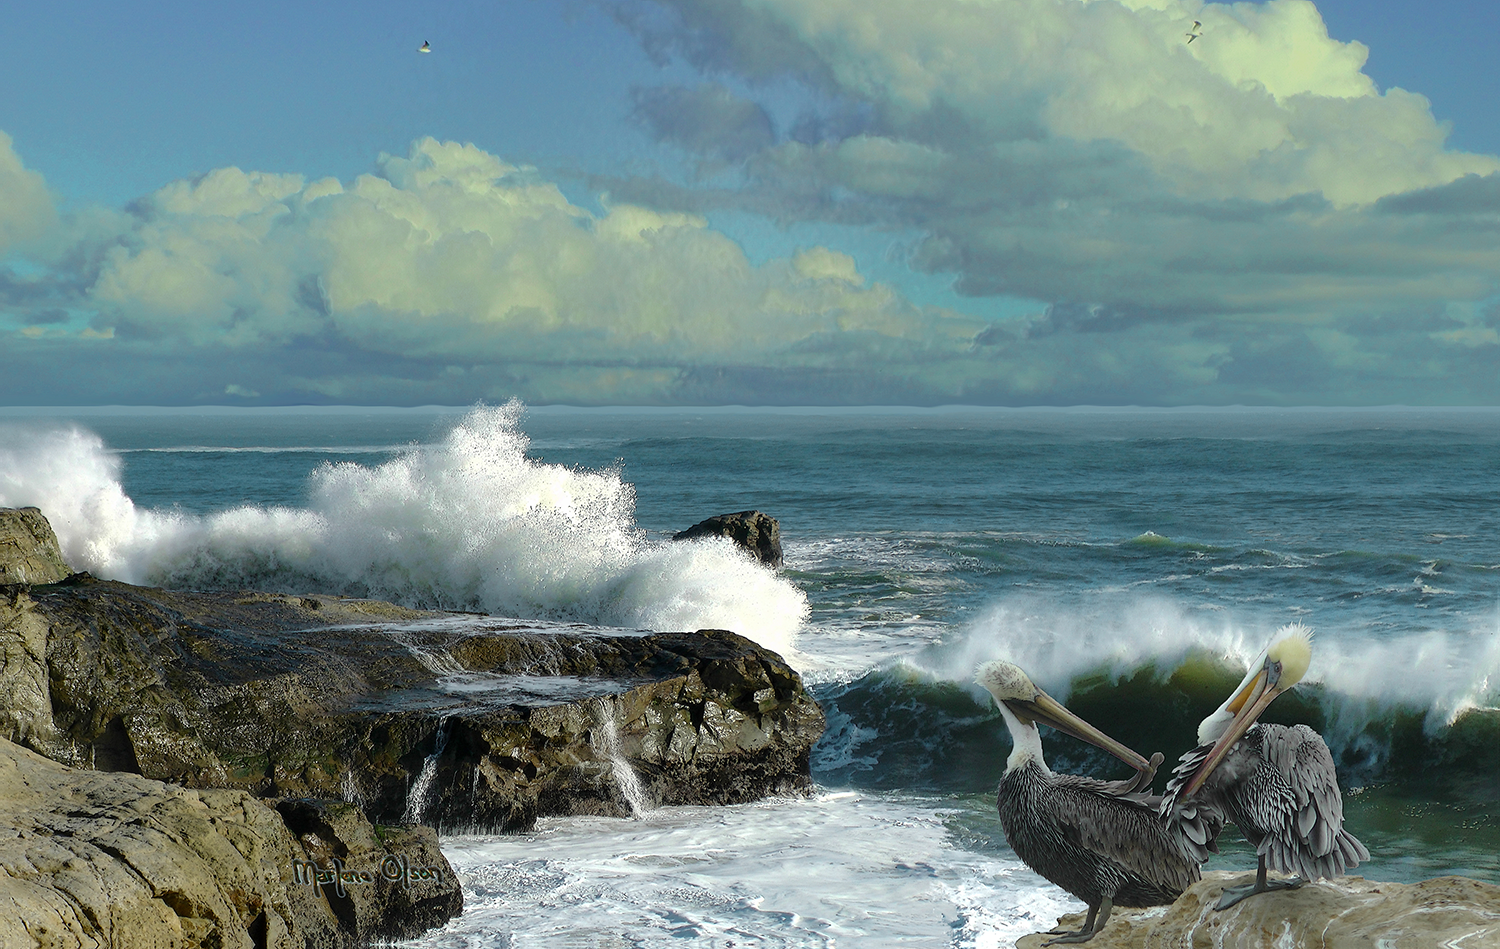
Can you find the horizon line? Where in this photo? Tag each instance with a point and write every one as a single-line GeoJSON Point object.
{"type": "Point", "coordinates": [729, 408]}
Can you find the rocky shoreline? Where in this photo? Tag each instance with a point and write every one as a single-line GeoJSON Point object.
{"type": "Point", "coordinates": [1343, 913]}
{"type": "Point", "coordinates": [322, 740]}
{"type": "Point", "coordinates": [251, 769]}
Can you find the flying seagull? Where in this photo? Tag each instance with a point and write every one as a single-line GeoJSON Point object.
{"type": "Point", "coordinates": [424, 48]}
{"type": "Point", "coordinates": [1195, 32]}
{"type": "Point", "coordinates": [1102, 841]}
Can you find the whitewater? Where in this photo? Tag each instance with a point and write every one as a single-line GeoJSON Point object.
{"type": "Point", "coordinates": [1132, 560]}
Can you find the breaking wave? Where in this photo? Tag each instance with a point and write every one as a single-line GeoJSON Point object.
{"type": "Point", "coordinates": [1403, 707]}
{"type": "Point", "coordinates": [468, 524]}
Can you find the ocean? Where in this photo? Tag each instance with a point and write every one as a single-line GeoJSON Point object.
{"type": "Point", "coordinates": [1133, 561]}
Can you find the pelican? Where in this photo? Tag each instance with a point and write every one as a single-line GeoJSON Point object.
{"type": "Point", "coordinates": [1099, 840]}
{"type": "Point", "coordinates": [1277, 784]}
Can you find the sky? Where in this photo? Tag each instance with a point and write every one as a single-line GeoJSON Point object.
{"type": "Point", "coordinates": [759, 202]}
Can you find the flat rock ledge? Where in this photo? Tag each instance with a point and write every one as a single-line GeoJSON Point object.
{"type": "Point", "coordinates": [461, 722]}
{"type": "Point", "coordinates": [1348, 913]}
{"type": "Point", "coordinates": [91, 859]}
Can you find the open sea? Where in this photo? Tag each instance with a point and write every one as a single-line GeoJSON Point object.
{"type": "Point", "coordinates": [1132, 560]}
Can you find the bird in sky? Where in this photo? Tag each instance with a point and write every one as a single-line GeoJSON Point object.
{"type": "Point", "coordinates": [424, 48]}
{"type": "Point", "coordinates": [1195, 32]}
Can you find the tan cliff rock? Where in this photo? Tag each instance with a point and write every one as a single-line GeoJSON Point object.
{"type": "Point", "coordinates": [90, 859]}
{"type": "Point", "coordinates": [29, 552]}
{"type": "Point", "coordinates": [1347, 913]}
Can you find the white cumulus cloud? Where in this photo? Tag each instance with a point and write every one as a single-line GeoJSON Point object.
{"type": "Point", "coordinates": [451, 263]}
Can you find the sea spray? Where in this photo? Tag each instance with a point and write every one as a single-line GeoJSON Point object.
{"type": "Point", "coordinates": [470, 523]}
{"type": "Point", "coordinates": [75, 481]}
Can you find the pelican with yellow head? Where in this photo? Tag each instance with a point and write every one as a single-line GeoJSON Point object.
{"type": "Point", "coordinates": [1277, 783]}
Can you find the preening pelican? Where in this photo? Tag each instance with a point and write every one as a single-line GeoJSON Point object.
{"type": "Point", "coordinates": [1277, 784]}
{"type": "Point", "coordinates": [1099, 840]}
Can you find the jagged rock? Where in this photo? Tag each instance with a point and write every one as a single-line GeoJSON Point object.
{"type": "Point", "coordinates": [29, 552]}
{"type": "Point", "coordinates": [97, 859]}
{"type": "Point", "coordinates": [1345, 913]}
{"type": "Point", "coordinates": [315, 696]}
{"type": "Point", "coordinates": [756, 532]}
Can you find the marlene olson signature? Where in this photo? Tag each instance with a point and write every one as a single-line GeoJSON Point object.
{"type": "Point", "coordinates": [393, 869]}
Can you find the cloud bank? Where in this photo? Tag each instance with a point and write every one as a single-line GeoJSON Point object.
{"type": "Point", "coordinates": [1244, 218]}
{"type": "Point", "coordinates": [449, 275]}
{"type": "Point", "coordinates": [1214, 209]}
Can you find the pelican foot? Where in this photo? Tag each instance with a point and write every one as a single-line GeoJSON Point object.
{"type": "Point", "coordinates": [1098, 916]}
{"type": "Point", "coordinates": [1081, 936]}
{"type": "Point", "coordinates": [1234, 894]}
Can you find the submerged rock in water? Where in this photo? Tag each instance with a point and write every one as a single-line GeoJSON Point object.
{"type": "Point", "coordinates": [1344, 913]}
{"type": "Point", "coordinates": [756, 532]}
{"type": "Point", "coordinates": [29, 552]}
{"type": "Point", "coordinates": [455, 721]}
{"type": "Point", "coordinates": [89, 858]}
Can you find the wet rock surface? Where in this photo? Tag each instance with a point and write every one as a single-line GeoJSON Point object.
{"type": "Point", "coordinates": [90, 858]}
{"type": "Point", "coordinates": [460, 722]}
{"type": "Point", "coordinates": [756, 532]}
{"type": "Point", "coordinates": [1346, 913]}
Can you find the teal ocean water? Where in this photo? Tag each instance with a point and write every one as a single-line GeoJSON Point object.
{"type": "Point", "coordinates": [1132, 560]}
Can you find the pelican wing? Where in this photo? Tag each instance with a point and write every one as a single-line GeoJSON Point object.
{"type": "Point", "coordinates": [1198, 820]}
{"type": "Point", "coordinates": [1294, 796]}
{"type": "Point", "coordinates": [1124, 828]}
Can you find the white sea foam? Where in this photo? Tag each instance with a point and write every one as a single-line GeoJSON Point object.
{"type": "Point", "coordinates": [844, 869]}
{"type": "Point", "coordinates": [470, 523]}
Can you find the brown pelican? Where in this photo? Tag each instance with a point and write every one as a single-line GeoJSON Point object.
{"type": "Point", "coordinates": [1099, 840]}
{"type": "Point", "coordinates": [1277, 784]}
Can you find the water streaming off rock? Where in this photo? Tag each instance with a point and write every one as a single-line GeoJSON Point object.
{"type": "Point", "coordinates": [419, 796]}
{"type": "Point", "coordinates": [607, 741]}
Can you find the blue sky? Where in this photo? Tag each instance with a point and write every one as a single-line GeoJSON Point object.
{"type": "Point", "coordinates": [787, 201]}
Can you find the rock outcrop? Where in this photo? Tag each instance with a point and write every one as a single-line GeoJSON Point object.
{"type": "Point", "coordinates": [29, 552]}
{"type": "Point", "coordinates": [251, 769]}
{"type": "Point", "coordinates": [458, 721]}
{"type": "Point", "coordinates": [93, 859]}
{"type": "Point", "coordinates": [1346, 913]}
{"type": "Point", "coordinates": [756, 532]}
